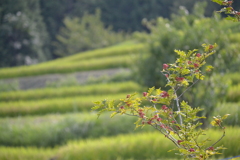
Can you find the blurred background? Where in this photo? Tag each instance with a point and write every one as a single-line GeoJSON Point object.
{"type": "Point", "coordinates": [58, 57]}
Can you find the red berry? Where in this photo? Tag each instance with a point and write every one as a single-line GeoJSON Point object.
{"type": "Point", "coordinates": [121, 107]}
{"type": "Point", "coordinates": [149, 122]}
{"type": "Point", "coordinates": [159, 119]}
{"type": "Point", "coordinates": [164, 94]}
{"type": "Point", "coordinates": [140, 110]}
{"type": "Point", "coordinates": [128, 104]}
{"type": "Point", "coordinates": [165, 66]}
{"type": "Point", "coordinates": [154, 99]}
{"type": "Point", "coordinates": [164, 107]}
{"type": "Point", "coordinates": [141, 114]}
{"type": "Point", "coordinates": [189, 62]}
{"type": "Point", "coordinates": [155, 116]}
{"type": "Point", "coordinates": [211, 148]}
{"type": "Point", "coordinates": [211, 46]}
{"type": "Point", "coordinates": [128, 96]}
{"type": "Point", "coordinates": [198, 54]}
{"type": "Point", "coordinates": [191, 150]}
{"type": "Point", "coordinates": [166, 75]}
{"type": "Point", "coordinates": [196, 65]}
{"type": "Point", "coordinates": [179, 78]}
{"type": "Point", "coordinates": [144, 94]}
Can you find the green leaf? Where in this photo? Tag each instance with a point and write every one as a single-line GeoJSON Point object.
{"type": "Point", "coordinates": [218, 1]}
{"type": "Point", "coordinates": [180, 53]}
{"type": "Point", "coordinates": [209, 68]}
{"type": "Point", "coordinates": [225, 116]}
{"type": "Point", "coordinates": [230, 18]}
{"type": "Point", "coordinates": [111, 104]}
{"type": "Point", "coordinates": [113, 114]}
{"type": "Point", "coordinates": [95, 107]}
{"type": "Point", "coordinates": [185, 71]}
{"type": "Point", "coordinates": [150, 90]}
{"type": "Point", "coordinates": [190, 52]}
{"type": "Point", "coordinates": [158, 91]}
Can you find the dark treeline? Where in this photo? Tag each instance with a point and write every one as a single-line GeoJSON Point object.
{"type": "Point", "coordinates": [31, 31]}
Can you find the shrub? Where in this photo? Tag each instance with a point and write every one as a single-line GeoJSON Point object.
{"type": "Point", "coordinates": [233, 95]}
{"type": "Point", "coordinates": [85, 34]}
{"type": "Point", "coordinates": [56, 105]}
{"type": "Point", "coordinates": [63, 92]}
{"type": "Point", "coordinates": [56, 129]}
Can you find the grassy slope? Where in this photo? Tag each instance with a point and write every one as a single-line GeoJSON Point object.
{"type": "Point", "coordinates": [85, 149]}
{"type": "Point", "coordinates": [144, 146]}
{"type": "Point", "coordinates": [110, 57]}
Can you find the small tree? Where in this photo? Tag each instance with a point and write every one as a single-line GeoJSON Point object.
{"type": "Point", "coordinates": [166, 112]}
{"type": "Point", "coordinates": [86, 33]}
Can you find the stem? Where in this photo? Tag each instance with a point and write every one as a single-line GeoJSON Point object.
{"type": "Point", "coordinates": [166, 135]}
{"type": "Point", "coordinates": [178, 107]}
{"type": "Point", "coordinates": [188, 88]}
{"type": "Point", "coordinates": [218, 139]}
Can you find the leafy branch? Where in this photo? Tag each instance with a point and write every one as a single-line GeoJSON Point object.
{"type": "Point", "coordinates": [166, 112]}
{"type": "Point", "coordinates": [228, 9]}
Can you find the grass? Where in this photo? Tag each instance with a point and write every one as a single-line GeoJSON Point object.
{"type": "Point", "coordinates": [111, 57]}
{"type": "Point", "coordinates": [56, 105]}
{"type": "Point", "coordinates": [63, 92]}
{"type": "Point", "coordinates": [56, 129]}
{"type": "Point", "coordinates": [23, 153]}
{"type": "Point", "coordinates": [141, 146]}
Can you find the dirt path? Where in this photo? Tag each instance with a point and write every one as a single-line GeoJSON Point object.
{"type": "Point", "coordinates": [40, 81]}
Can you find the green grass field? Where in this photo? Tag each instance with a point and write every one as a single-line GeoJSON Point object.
{"type": "Point", "coordinates": [111, 57]}
{"type": "Point", "coordinates": [57, 123]}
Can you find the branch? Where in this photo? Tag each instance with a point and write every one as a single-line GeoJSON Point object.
{"type": "Point", "coordinates": [188, 88]}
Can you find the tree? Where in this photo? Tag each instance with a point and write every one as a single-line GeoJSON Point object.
{"type": "Point", "coordinates": [187, 31]}
{"type": "Point", "coordinates": [81, 34]}
{"type": "Point", "coordinates": [23, 38]}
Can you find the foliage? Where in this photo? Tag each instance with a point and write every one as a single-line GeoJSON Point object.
{"type": "Point", "coordinates": [67, 91]}
{"type": "Point", "coordinates": [57, 129]}
{"type": "Point", "coordinates": [85, 34]}
{"type": "Point", "coordinates": [105, 58]}
{"type": "Point", "coordinates": [29, 153]}
{"type": "Point", "coordinates": [228, 9]}
{"type": "Point", "coordinates": [23, 37]}
{"type": "Point", "coordinates": [233, 95]}
{"type": "Point", "coordinates": [177, 123]}
{"type": "Point", "coordinates": [189, 31]}
{"type": "Point", "coordinates": [134, 147]}
{"type": "Point", "coordinates": [138, 146]}
{"type": "Point", "coordinates": [54, 105]}
{"type": "Point", "coordinates": [186, 31]}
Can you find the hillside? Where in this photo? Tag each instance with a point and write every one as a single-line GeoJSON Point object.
{"type": "Point", "coordinates": [50, 116]}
